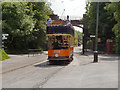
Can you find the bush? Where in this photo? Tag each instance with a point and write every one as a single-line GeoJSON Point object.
{"type": "Point", "coordinates": [3, 55]}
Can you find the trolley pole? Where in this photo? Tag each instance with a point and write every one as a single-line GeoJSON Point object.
{"type": "Point", "coordinates": [96, 36]}
{"type": "Point", "coordinates": [67, 17]}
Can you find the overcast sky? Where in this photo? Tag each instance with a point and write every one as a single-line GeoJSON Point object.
{"type": "Point", "coordinates": [73, 8]}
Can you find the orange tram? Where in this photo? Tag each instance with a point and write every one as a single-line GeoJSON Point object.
{"type": "Point", "coordinates": [60, 42]}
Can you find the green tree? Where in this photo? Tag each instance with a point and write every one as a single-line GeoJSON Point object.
{"type": "Point", "coordinates": [114, 9]}
{"type": "Point", "coordinates": [16, 23]}
{"type": "Point", "coordinates": [25, 22]}
{"type": "Point", "coordinates": [78, 37]}
{"type": "Point", "coordinates": [106, 22]}
{"type": "Point", "coordinates": [41, 11]}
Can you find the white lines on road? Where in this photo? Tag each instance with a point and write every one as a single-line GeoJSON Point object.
{"type": "Point", "coordinates": [40, 62]}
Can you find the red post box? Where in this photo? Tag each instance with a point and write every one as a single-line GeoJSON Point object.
{"type": "Point", "coordinates": [109, 46]}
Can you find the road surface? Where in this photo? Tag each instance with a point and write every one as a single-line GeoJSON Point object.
{"type": "Point", "coordinates": [22, 71]}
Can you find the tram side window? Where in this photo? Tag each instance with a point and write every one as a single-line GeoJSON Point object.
{"type": "Point", "coordinates": [50, 40]}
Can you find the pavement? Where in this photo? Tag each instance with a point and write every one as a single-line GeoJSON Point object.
{"type": "Point", "coordinates": [21, 71]}
{"type": "Point", "coordinates": [21, 61]}
{"type": "Point", "coordinates": [83, 73]}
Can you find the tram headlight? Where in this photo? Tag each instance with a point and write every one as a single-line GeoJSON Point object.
{"type": "Point", "coordinates": [56, 55]}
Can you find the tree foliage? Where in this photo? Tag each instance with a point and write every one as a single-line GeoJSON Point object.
{"type": "Point", "coordinates": [25, 22]}
{"type": "Point", "coordinates": [77, 38]}
{"type": "Point", "coordinates": [114, 8]}
{"type": "Point", "coordinates": [109, 18]}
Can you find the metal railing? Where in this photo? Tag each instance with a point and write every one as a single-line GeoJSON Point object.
{"type": "Point", "coordinates": [34, 51]}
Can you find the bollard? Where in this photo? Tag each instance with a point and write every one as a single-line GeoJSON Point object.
{"type": "Point", "coordinates": [95, 56]}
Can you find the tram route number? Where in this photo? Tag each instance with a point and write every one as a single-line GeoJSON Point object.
{"type": "Point", "coordinates": [56, 51]}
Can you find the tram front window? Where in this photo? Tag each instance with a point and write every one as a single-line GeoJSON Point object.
{"type": "Point", "coordinates": [56, 44]}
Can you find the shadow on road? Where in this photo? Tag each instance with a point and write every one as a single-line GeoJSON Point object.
{"type": "Point", "coordinates": [47, 64]}
{"type": "Point", "coordinates": [109, 59]}
{"type": "Point", "coordinates": [87, 63]}
{"type": "Point", "coordinates": [85, 54]}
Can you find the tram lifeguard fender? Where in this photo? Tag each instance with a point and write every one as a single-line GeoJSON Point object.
{"type": "Point", "coordinates": [60, 30]}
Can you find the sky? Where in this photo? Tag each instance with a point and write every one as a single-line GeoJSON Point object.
{"type": "Point", "coordinates": [73, 8]}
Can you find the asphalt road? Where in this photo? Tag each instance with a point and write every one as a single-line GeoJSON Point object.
{"type": "Point", "coordinates": [35, 72]}
{"type": "Point", "coordinates": [27, 73]}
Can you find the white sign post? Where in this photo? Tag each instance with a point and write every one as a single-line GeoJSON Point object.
{"type": "Point", "coordinates": [92, 36]}
{"type": "Point", "coordinates": [4, 36]}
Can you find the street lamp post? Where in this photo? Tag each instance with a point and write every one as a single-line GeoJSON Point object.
{"type": "Point", "coordinates": [96, 36]}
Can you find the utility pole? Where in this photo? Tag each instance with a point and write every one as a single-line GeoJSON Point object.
{"type": "Point", "coordinates": [83, 43]}
{"type": "Point", "coordinates": [96, 36]}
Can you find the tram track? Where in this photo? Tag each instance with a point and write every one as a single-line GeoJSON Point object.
{"type": "Point", "coordinates": [34, 75]}
{"type": "Point", "coordinates": [40, 85]}
{"type": "Point", "coordinates": [47, 70]}
{"type": "Point", "coordinates": [21, 67]}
